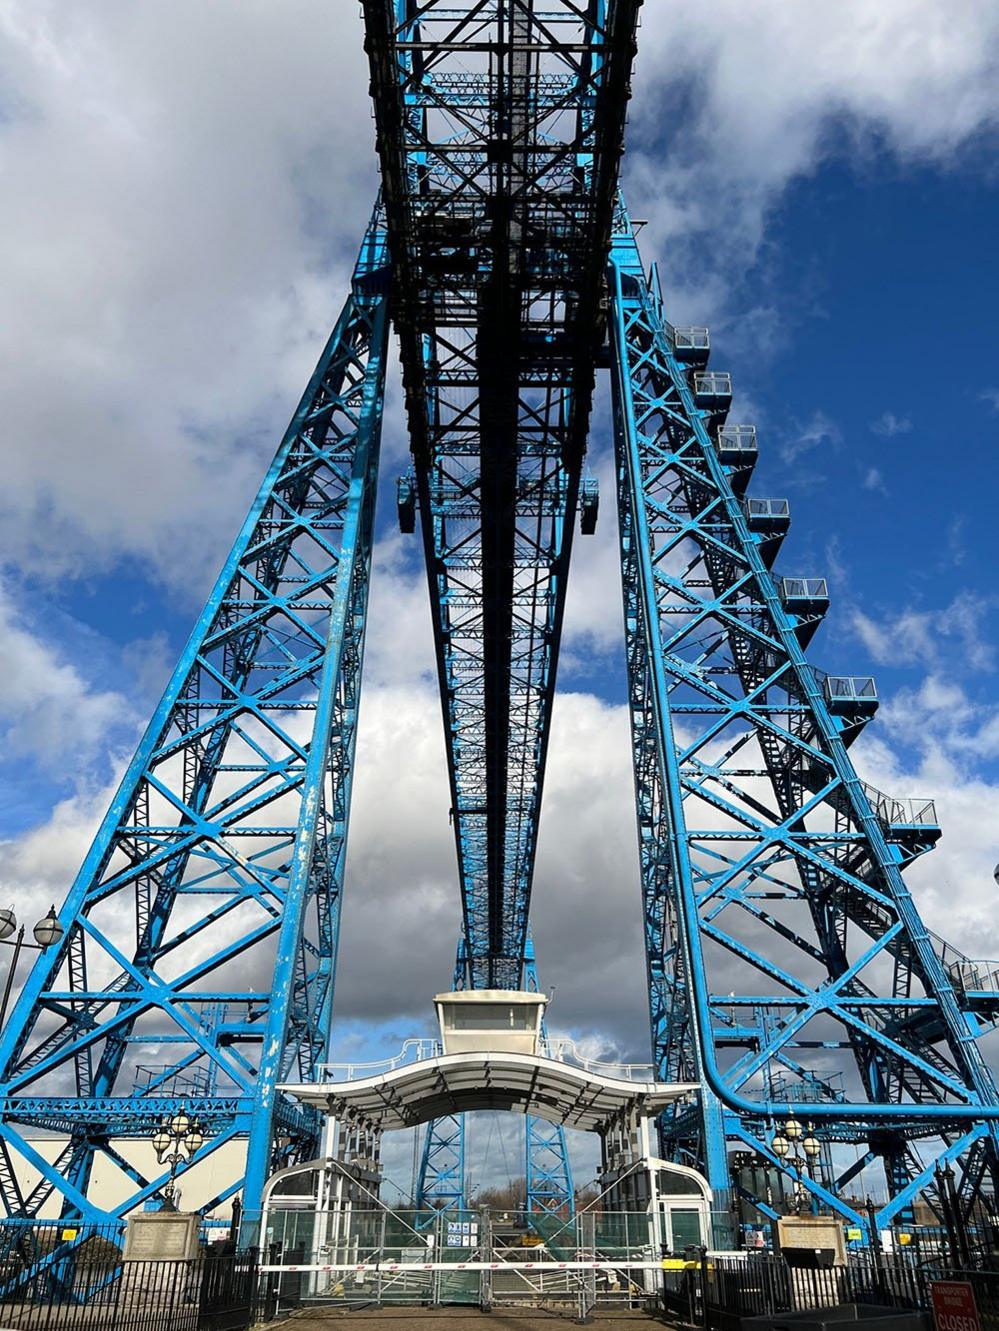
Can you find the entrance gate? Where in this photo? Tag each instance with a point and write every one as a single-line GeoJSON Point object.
{"type": "Point", "coordinates": [483, 1258]}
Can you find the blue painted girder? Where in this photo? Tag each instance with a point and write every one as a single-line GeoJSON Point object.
{"type": "Point", "coordinates": [198, 961]}
{"type": "Point", "coordinates": [768, 869]}
{"type": "Point", "coordinates": [547, 1169]}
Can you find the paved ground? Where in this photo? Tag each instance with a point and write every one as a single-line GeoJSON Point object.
{"type": "Point", "coordinates": [458, 1319]}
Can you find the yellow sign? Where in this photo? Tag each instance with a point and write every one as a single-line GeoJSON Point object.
{"type": "Point", "coordinates": [69, 1233]}
{"type": "Point", "coordinates": [854, 1234]}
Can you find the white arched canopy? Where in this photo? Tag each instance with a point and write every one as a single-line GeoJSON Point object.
{"type": "Point", "coordinates": [457, 1083]}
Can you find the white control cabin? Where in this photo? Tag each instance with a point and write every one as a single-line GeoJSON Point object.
{"type": "Point", "coordinates": [480, 1021]}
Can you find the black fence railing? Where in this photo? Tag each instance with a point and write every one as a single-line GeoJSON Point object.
{"type": "Point", "coordinates": [768, 1284]}
{"type": "Point", "coordinates": [985, 1289]}
{"type": "Point", "coordinates": [92, 1288]}
{"type": "Point", "coordinates": [718, 1292]}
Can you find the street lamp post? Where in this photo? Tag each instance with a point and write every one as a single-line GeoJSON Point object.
{"type": "Point", "coordinates": [176, 1141]}
{"type": "Point", "coordinates": [46, 932]}
{"type": "Point", "coordinates": [800, 1148]}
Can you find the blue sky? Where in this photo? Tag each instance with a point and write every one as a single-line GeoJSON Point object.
{"type": "Point", "coordinates": [821, 188]}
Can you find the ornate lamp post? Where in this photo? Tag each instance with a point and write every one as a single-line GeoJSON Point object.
{"type": "Point", "coordinates": [175, 1141]}
{"type": "Point", "coordinates": [46, 932]}
{"type": "Point", "coordinates": [799, 1148]}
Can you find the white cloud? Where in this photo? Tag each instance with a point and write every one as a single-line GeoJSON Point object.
{"type": "Point", "coordinates": [957, 550]}
{"type": "Point", "coordinates": [37, 868]}
{"type": "Point", "coordinates": [874, 480]}
{"type": "Point", "coordinates": [817, 432]}
{"type": "Point", "coordinates": [185, 185]}
{"type": "Point", "coordinates": [402, 877]}
{"type": "Point", "coordinates": [933, 741]}
{"type": "Point", "coordinates": [991, 396]}
{"type": "Point", "coordinates": [768, 92]}
{"type": "Point", "coordinates": [924, 637]}
{"type": "Point", "coordinates": [49, 713]}
{"type": "Point", "coordinates": [593, 632]}
{"type": "Point", "coordinates": [182, 197]}
{"type": "Point", "coordinates": [888, 424]}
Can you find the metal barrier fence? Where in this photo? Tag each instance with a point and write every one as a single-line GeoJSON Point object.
{"type": "Point", "coordinates": [89, 1287]}
{"type": "Point", "coordinates": [717, 1292]}
{"type": "Point", "coordinates": [358, 1256]}
{"type": "Point", "coordinates": [352, 1256]}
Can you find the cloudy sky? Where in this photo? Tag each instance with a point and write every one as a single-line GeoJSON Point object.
{"type": "Point", "coordinates": [184, 185]}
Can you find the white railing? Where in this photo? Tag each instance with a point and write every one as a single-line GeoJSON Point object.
{"type": "Point", "coordinates": [412, 1051]}
{"type": "Point", "coordinates": [560, 1050]}
{"type": "Point", "coordinates": [564, 1050]}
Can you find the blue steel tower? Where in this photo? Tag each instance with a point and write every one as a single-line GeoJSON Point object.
{"type": "Point", "coordinates": [784, 949]}
{"type": "Point", "coordinates": [789, 971]}
{"type": "Point", "coordinates": [198, 961]}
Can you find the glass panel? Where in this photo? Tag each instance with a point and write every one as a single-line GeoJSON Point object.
{"type": "Point", "coordinates": [691, 337]}
{"type": "Point", "coordinates": [491, 1017]}
{"type": "Point", "coordinates": [685, 1228]}
{"type": "Point", "coordinates": [674, 1184]}
{"type": "Point", "coordinates": [723, 1231]}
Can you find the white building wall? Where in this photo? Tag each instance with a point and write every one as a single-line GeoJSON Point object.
{"type": "Point", "coordinates": [109, 1185]}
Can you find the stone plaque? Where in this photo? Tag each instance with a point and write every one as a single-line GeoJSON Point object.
{"type": "Point", "coordinates": [812, 1233]}
{"type": "Point", "coordinates": [161, 1236]}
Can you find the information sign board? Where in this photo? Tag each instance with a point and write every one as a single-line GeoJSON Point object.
{"type": "Point", "coordinates": [954, 1306]}
{"type": "Point", "coordinates": [462, 1234]}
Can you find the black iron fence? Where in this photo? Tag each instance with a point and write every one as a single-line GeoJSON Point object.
{"type": "Point", "coordinates": [718, 1292]}
{"type": "Point", "coordinates": [90, 1287]}
{"type": "Point", "coordinates": [764, 1285]}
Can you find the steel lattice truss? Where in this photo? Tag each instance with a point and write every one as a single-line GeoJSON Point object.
{"type": "Point", "coordinates": [499, 129]}
{"type": "Point", "coordinates": [547, 1171]}
{"type": "Point", "coordinates": [442, 1179]}
{"type": "Point", "coordinates": [198, 959]}
{"type": "Point", "coordinates": [781, 938]}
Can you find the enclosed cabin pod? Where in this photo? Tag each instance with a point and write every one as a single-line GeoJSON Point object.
{"type": "Point", "coordinates": [713, 395]}
{"type": "Point", "coordinates": [683, 1210]}
{"type": "Point", "coordinates": [849, 695]}
{"type": "Point", "coordinates": [589, 506]}
{"type": "Point", "coordinates": [853, 700]}
{"type": "Point", "coordinates": [474, 1021]}
{"type": "Point", "coordinates": [737, 450]}
{"type": "Point", "coordinates": [691, 346]}
{"type": "Point", "coordinates": [314, 1212]}
{"type": "Point", "coordinates": [676, 1198]}
{"type": "Point", "coordinates": [406, 504]}
{"type": "Point", "coordinates": [769, 519]}
{"type": "Point", "coordinates": [807, 600]}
